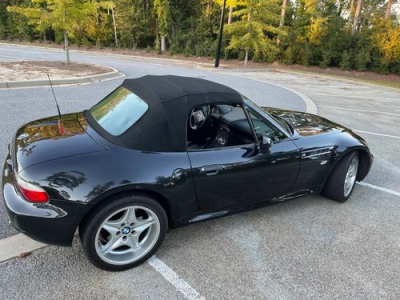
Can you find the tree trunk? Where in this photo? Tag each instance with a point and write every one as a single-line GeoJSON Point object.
{"type": "Point", "coordinates": [115, 27]}
{"type": "Point", "coordinates": [356, 17]}
{"type": "Point", "coordinates": [66, 47]}
{"type": "Point", "coordinates": [246, 56]}
{"type": "Point", "coordinates": [97, 29]}
{"type": "Point", "coordinates": [283, 12]}
{"type": "Point", "coordinates": [388, 9]}
{"type": "Point", "coordinates": [230, 15]}
{"type": "Point", "coordinates": [351, 9]}
{"type": "Point", "coordinates": [163, 44]}
{"type": "Point", "coordinates": [282, 21]}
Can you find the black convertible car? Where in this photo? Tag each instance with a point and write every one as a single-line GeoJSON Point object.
{"type": "Point", "coordinates": [166, 151]}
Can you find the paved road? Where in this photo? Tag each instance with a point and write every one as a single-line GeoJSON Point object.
{"type": "Point", "coordinates": [19, 106]}
{"type": "Point", "coordinates": [308, 248]}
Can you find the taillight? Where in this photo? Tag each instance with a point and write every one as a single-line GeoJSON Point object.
{"type": "Point", "coordinates": [32, 192]}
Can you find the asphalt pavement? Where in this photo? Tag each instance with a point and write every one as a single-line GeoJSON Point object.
{"type": "Point", "coordinates": [311, 248]}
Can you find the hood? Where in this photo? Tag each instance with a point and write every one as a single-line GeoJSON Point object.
{"type": "Point", "coordinates": [44, 140]}
{"type": "Point", "coordinates": [306, 124]}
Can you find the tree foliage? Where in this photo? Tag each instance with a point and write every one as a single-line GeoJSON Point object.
{"type": "Point", "coordinates": [314, 32]}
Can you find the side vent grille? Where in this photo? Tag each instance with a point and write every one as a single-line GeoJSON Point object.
{"type": "Point", "coordinates": [317, 153]}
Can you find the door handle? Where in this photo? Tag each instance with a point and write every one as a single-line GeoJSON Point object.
{"type": "Point", "coordinates": [211, 170]}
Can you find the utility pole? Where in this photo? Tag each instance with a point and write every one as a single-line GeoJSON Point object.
{"type": "Point", "coordinates": [221, 29]}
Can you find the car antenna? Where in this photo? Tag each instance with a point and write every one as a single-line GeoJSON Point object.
{"type": "Point", "coordinates": [54, 95]}
{"type": "Point", "coordinates": [60, 128]}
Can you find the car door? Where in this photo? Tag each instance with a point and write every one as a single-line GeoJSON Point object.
{"type": "Point", "coordinates": [244, 174]}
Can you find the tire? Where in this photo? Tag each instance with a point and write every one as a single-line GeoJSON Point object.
{"type": "Point", "coordinates": [124, 232]}
{"type": "Point", "coordinates": [336, 187]}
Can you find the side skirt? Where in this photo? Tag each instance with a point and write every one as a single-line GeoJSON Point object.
{"type": "Point", "coordinates": [207, 215]}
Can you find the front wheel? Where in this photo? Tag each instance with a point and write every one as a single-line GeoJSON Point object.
{"type": "Point", "coordinates": [342, 180]}
{"type": "Point", "coordinates": [124, 233]}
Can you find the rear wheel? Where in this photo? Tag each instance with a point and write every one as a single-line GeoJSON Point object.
{"type": "Point", "coordinates": [343, 178]}
{"type": "Point", "coordinates": [124, 233]}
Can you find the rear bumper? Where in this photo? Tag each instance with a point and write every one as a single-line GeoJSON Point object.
{"type": "Point", "coordinates": [45, 222]}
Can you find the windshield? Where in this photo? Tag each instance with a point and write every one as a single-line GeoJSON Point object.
{"type": "Point", "coordinates": [118, 111]}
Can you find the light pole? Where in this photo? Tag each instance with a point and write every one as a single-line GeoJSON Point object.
{"type": "Point", "coordinates": [221, 29]}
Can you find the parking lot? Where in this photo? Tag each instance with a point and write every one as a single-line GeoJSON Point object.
{"type": "Point", "coordinates": [304, 249]}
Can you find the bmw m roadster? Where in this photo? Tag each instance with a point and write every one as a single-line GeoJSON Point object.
{"type": "Point", "coordinates": [165, 151]}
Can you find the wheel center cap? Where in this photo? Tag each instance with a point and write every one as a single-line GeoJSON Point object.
{"type": "Point", "coordinates": [126, 230]}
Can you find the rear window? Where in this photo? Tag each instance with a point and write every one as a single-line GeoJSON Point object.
{"type": "Point", "coordinates": [119, 110]}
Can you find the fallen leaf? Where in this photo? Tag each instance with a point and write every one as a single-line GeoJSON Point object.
{"type": "Point", "coordinates": [24, 254]}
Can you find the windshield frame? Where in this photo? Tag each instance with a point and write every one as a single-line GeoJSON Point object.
{"type": "Point", "coordinates": [267, 116]}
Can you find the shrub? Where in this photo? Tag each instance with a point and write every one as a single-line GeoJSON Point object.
{"type": "Point", "coordinates": [362, 59]}
{"type": "Point", "coordinates": [288, 56]}
{"type": "Point", "coordinates": [326, 59]}
{"type": "Point", "coordinates": [306, 56]}
{"type": "Point", "coordinates": [345, 61]}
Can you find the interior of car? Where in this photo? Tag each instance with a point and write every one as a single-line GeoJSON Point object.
{"type": "Point", "coordinates": [217, 126]}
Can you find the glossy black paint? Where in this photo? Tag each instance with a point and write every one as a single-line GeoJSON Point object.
{"type": "Point", "coordinates": [79, 169]}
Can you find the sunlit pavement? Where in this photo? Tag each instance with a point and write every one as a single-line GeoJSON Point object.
{"type": "Point", "coordinates": [308, 248]}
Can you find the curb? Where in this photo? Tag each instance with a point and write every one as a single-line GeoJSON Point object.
{"type": "Point", "coordinates": [64, 81]}
{"type": "Point", "coordinates": [154, 60]}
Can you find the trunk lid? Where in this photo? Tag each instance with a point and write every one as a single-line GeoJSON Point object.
{"type": "Point", "coordinates": [43, 140]}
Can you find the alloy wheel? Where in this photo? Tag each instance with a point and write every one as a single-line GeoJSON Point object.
{"type": "Point", "coordinates": [127, 235]}
{"type": "Point", "coordinates": [351, 176]}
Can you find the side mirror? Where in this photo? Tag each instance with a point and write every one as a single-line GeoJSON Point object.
{"type": "Point", "coordinates": [265, 142]}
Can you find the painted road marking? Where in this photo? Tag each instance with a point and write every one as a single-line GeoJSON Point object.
{"type": "Point", "coordinates": [173, 278]}
{"type": "Point", "coordinates": [372, 186]}
{"type": "Point", "coordinates": [336, 95]}
{"type": "Point", "coordinates": [15, 245]}
{"type": "Point", "coordinates": [381, 134]}
{"type": "Point", "coordinates": [311, 107]}
{"type": "Point", "coordinates": [361, 110]}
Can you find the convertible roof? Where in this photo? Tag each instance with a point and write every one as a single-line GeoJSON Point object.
{"type": "Point", "coordinates": [170, 98]}
{"type": "Point", "coordinates": [168, 87]}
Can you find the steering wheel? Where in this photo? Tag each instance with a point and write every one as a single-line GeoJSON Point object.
{"type": "Point", "coordinates": [198, 117]}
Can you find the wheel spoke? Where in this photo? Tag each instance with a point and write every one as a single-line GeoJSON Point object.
{"type": "Point", "coordinates": [133, 242]}
{"type": "Point", "coordinates": [143, 225]}
{"type": "Point", "coordinates": [130, 216]}
{"type": "Point", "coordinates": [111, 227]}
{"type": "Point", "coordinates": [113, 244]}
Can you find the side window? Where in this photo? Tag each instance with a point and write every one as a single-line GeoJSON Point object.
{"type": "Point", "coordinates": [264, 128]}
{"type": "Point", "coordinates": [217, 126]}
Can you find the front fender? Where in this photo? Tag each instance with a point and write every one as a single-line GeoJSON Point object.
{"type": "Point", "coordinates": [320, 153]}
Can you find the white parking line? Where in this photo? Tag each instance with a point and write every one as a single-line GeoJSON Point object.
{"type": "Point", "coordinates": [173, 278]}
{"type": "Point", "coordinates": [361, 110]}
{"type": "Point", "coordinates": [372, 186]}
{"type": "Point", "coordinates": [14, 245]}
{"type": "Point", "coordinates": [381, 134]}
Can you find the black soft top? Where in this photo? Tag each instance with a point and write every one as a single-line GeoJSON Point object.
{"type": "Point", "coordinates": [170, 98]}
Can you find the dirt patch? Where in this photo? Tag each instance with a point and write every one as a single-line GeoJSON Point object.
{"type": "Point", "coordinates": [353, 74]}
{"type": "Point", "coordinates": [38, 70]}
